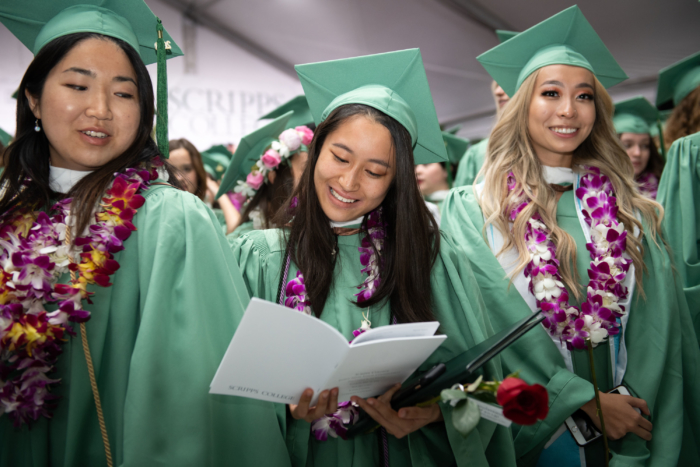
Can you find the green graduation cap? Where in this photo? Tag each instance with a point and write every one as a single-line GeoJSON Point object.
{"type": "Point", "coordinates": [5, 138]}
{"type": "Point", "coordinates": [505, 35]}
{"type": "Point", "coordinates": [394, 83]}
{"type": "Point", "coordinates": [455, 147]}
{"type": "Point", "coordinates": [216, 160]}
{"type": "Point", "coordinates": [38, 22]}
{"type": "Point", "coordinates": [249, 151]}
{"type": "Point", "coordinates": [454, 130]}
{"type": "Point", "coordinates": [14, 94]}
{"type": "Point", "coordinates": [677, 81]}
{"type": "Point", "coordinates": [566, 38]}
{"type": "Point", "coordinates": [302, 113]}
{"type": "Point", "coordinates": [636, 115]}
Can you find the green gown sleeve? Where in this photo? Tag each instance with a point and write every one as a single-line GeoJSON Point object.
{"type": "Point", "coordinates": [679, 194]}
{"type": "Point", "coordinates": [470, 164]}
{"type": "Point", "coordinates": [242, 229]}
{"type": "Point", "coordinates": [260, 256]}
{"type": "Point", "coordinates": [567, 392]}
{"type": "Point", "coordinates": [157, 336]}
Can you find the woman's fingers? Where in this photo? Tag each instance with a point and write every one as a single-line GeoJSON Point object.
{"type": "Point", "coordinates": [301, 409]}
{"type": "Point", "coordinates": [332, 402]}
{"type": "Point", "coordinates": [640, 404]}
{"type": "Point", "coordinates": [642, 433]}
{"type": "Point", "coordinates": [386, 397]}
{"type": "Point", "coordinates": [416, 413]}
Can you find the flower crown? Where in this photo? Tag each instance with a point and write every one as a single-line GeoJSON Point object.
{"type": "Point", "coordinates": [290, 142]}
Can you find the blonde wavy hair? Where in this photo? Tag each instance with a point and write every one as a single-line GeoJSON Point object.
{"type": "Point", "coordinates": [510, 149]}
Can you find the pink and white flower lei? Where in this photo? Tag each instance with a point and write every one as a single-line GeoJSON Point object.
{"type": "Point", "coordinates": [296, 298]}
{"type": "Point", "coordinates": [648, 185]}
{"type": "Point", "coordinates": [34, 255]}
{"type": "Point", "coordinates": [289, 142]}
{"type": "Point", "coordinates": [597, 317]}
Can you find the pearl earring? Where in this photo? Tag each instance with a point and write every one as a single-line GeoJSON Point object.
{"type": "Point", "coordinates": [37, 128]}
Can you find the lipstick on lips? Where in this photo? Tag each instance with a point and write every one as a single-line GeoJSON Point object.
{"type": "Point", "coordinates": [95, 136]}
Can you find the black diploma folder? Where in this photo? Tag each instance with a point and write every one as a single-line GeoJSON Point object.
{"type": "Point", "coordinates": [463, 369]}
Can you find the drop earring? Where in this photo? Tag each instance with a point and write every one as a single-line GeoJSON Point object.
{"type": "Point", "coordinates": [37, 128]}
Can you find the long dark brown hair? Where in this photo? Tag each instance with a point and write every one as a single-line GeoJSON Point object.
{"type": "Point", "coordinates": [27, 158]}
{"type": "Point", "coordinates": [271, 196]}
{"type": "Point", "coordinates": [196, 159]}
{"type": "Point", "coordinates": [412, 238]}
{"type": "Point", "coordinates": [685, 118]}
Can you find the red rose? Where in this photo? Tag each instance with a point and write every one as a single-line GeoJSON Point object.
{"type": "Point", "coordinates": [522, 403]}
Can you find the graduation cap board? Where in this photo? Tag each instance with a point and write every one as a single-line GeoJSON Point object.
{"type": "Point", "coordinates": [462, 369]}
{"type": "Point", "coordinates": [677, 81]}
{"type": "Point", "coordinates": [566, 38]}
{"type": "Point", "coordinates": [393, 83]}
{"type": "Point", "coordinates": [636, 115]}
{"type": "Point", "coordinates": [302, 113]}
{"type": "Point", "coordinates": [249, 151]}
{"type": "Point", "coordinates": [216, 160]}
{"type": "Point", "coordinates": [37, 22]}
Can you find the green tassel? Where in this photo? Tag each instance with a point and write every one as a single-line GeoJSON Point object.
{"type": "Point", "coordinates": [661, 139]}
{"type": "Point", "coordinates": [162, 95]}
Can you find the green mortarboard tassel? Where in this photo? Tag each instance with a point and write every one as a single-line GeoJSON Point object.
{"type": "Point", "coordinates": [162, 95]}
{"type": "Point", "coordinates": [566, 38]}
{"type": "Point", "coordinates": [677, 81]}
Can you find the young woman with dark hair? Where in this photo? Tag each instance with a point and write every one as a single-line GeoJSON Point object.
{"type": "Point", "coordinates": [360, 249]}
{"type": "Point", "coordinates": [679, 188]}
{"type": "Point", "coordinates": [558, 227]}
{"type": "Point", "coordinates": [92, 236]}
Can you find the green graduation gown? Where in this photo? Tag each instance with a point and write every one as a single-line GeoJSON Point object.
{"type": "Point", "coordinates": [663, 362]}
{"type": "Point", "coordinates": [679, 193]}
{"type": "Point", "coordinates": [458, 307]}
{"type": "Point", "coordinates": [471, 163]}
{"type": "Point", "coordinates": [157, 336]}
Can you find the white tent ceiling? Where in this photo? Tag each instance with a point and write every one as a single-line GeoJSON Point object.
{"type": "Point", "coordinates": [643, 35]}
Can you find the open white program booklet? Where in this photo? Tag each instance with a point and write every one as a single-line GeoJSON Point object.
{"type": "Point", "coordinates": [277, 352]}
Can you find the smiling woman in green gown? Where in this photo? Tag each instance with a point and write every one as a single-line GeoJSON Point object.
{"type": "Point", "coordinates": [152, 280]}
{"type": "Point", "coordinates": [527, 229]}
{"type": "Point", "coordinates": [362, 250]}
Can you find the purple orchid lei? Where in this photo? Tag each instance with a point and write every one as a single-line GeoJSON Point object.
{"type": "Point", "coordinates": [34, 255]}
{"type": "Point", "coordinates": [336, 424]}
{"type": "Point", "coordinates": [648, 185]}
{"type": "Point", "coordinates": [597, 317]}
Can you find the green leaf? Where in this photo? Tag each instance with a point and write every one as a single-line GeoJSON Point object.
{"type": "Point", "coordinates": [465, 417]}
{"type": "Point", "coordinates": [449, 395]}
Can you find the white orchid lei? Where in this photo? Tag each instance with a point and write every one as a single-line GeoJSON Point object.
{"type": "Point", "coordinates": [290, 141]}
{"type": "Point", "coordinates": [597, 317]}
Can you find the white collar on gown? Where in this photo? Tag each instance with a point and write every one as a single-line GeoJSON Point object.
{"type": "Point", "coordinates": [62, 180]}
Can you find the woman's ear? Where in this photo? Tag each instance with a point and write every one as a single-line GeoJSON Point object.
{"type": "Point", "coordinates": [33, 104]}
{"type": "Point", "coordinates": [271, 176]}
